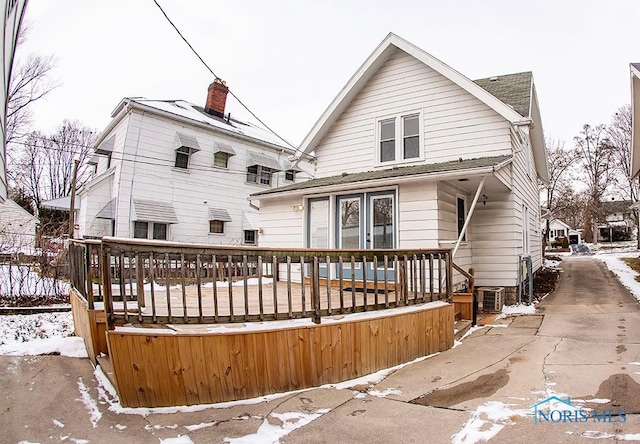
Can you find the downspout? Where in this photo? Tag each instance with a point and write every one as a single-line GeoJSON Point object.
{"type": "Point", "coordinates": [468, 219]}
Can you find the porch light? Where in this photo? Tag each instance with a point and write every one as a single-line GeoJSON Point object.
{"type": "Point", "coordinates": [298, 207]}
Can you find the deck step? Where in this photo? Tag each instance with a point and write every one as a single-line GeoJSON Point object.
{"type": "Point", "coordinates": [107, 368]}
{"type": "Point", "coordinates": [460, 328]}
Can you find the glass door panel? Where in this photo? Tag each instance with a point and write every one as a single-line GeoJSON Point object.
{"type": "Point", "coordinates": [382, 226]}
{"type": "Point", "coordinates": [318, 227]}
{"type": "Point", "coordinates": [349, 220]}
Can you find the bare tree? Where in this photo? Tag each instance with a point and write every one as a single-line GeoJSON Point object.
{"type": "Point", "coordinates": [560, 162]}
{"type": "Point", "coordinates": [597, 171]}
{"type": "Point", "coordinates": [31, 81]}
{"type": "Point", "coordinates": [619, 132]}
{"type": "Point", "coordinates": [44, 168]}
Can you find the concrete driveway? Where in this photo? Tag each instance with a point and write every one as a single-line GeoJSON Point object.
{"type": "Point", "coordinates": [583, 343]}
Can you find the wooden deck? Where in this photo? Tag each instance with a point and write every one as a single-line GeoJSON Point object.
{"type": "Point", "coordinates": [180, 322]}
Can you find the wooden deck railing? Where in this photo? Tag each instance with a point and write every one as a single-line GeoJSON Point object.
{"type": "Point", "coordinates": [150, 282]}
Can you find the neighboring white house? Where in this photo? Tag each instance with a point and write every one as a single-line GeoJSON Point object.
{"type": "Point", "coordinates": [176, 171]}
{"type": "Point", "coordinates": [411, 151]}
{"type": "Point", "coordinates": [617, 222]}
{"type": "Point", "coordinates": [17, 229]}
{"type": "Point", "coordinates": [559, 229]}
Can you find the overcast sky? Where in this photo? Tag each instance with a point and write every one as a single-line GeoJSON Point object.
{"type": "Point", "coordinates": [287, 60]}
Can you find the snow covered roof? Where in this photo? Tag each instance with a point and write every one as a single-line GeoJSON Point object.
{"type": "Point", "coordinates": [195, 113]}
{"type": "Point", "coordinates": [61, 203]}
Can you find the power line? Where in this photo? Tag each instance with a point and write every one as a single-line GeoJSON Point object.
{"type": "Point", "coordinates": [193, 166]}
{"type": "Point", "coordinates": [218, 78]}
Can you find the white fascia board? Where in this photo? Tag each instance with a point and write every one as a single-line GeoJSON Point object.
{"type": "Point", "coordinates": [536, 137]}
{"type": "Point", "coordinates": [371, 65]}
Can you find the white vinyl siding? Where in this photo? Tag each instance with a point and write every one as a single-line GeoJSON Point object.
{"type": "Point", "coordinates": [154, 177]}
{"type": "Point", "coordinates": [455, 123]}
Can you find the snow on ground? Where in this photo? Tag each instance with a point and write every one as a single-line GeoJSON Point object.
{"type": "Point", "coordinates": [516, 310]}
{"type": "Point", "coordinates": [25, 280]}
{"type": "Point", "coordinates": [40, 334]}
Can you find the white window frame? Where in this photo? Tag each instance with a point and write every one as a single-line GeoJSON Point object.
{"type": "Point", "coordinates": [399, 138]}
{"type": "Point", "coordinates": [259, 175]}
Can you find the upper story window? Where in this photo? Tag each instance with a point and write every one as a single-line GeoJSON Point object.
{"type": "Point", "coordinates": [185, 147]}
{"type": "Point", "coordinates": [260, 168]}
{"type": "Point", "coordinates": [399, 138]}
{"type": "Point", "coordinates": [182, 158]}
{"type": "Point", "coordinates": [221, 160]}
{"type": "Point", "coordinates": [221, 154]}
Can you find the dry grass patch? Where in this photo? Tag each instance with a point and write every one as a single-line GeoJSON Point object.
{"type": "Point", "coordinates": [634, 263]}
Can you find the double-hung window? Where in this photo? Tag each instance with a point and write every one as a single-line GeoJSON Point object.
{"type": "Point", "coordinates": [259, 174]}
{"type": "Point", "coordinates": [399, 138]}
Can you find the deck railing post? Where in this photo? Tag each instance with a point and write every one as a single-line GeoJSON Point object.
{"type": "Point", "coordinates": [106, 285]}
{"type": "Point", "coordinates": [315, 289]}
{"type": "Point", "coordinates": [89, 275]}
{"type": "Point", "coordinates": [449, 277]}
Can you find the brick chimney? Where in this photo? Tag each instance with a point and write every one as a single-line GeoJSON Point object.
{"type": "Point", "coordinates": [216, 98]}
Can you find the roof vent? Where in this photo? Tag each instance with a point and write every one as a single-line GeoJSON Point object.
{"type": "Point", "coordinates": [493, 79]}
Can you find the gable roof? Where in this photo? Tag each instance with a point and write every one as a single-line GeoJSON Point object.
{"type": "Point", "coordinates": [382, 53]}
{"type": "Point", "coordinates": [635, 118]}
{"type": "Point", "coordinates": [512, 89]}
{"type": "Point", "coordinates": [464, 166]}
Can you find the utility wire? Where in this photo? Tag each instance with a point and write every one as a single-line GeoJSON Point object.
{"type": "Point", "coordinates": [193, 166]}
{"type": "Point", "coordinates": [230, 92]}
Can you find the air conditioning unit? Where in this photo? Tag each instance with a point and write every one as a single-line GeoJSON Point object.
{"type": "Point", "coordinates": [491, 298]}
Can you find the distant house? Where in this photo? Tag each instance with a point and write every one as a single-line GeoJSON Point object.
{"type": "Point", "coordinates": [558, 230]}
{"type": "Point", "coordinates": [616, 222]}
{"type": "Point", "coordinates": [172, 170]}
{"type": "Point", "coordinates": [413, 154]}
{"type": "Point", "coordinates": [17, 229]}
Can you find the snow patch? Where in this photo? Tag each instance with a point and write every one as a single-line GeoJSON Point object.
{"type": "Point", "coordinates": [268, 432]}
{"type": "Point", "coordinates": [202, 425]}
{"type": "Point", "coordinates": [92, 406]}
{"type": "Point", "coordinates": [486, 421]}
{"type": "Point", "coordinates": [516, 310]}
{"type": "Point", "coordinates": [182, 439]}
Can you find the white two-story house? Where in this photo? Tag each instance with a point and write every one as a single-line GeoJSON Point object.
{"type": "Point", "coordinates": [172, 170]}
{"type": "Point", "coordinates": [413, 154]}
